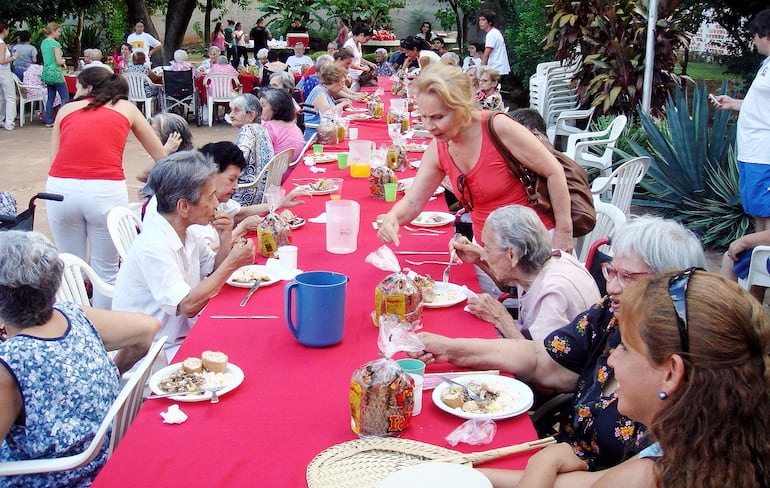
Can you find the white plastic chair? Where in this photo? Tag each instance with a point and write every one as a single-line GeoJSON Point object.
{"type": "Point", "coordinates": [620, 185]}
{"type": "Point", "coordinates": [758, 273]}
{"type": "Point", "coordinates": [608, 218]}
{"type": "Point", "coordinates": [136, 93]}
{"type": "Point", "coordinates": [565, 123]}
{"type": "Point", "coordinates": [275, 168]}
{"type": "Point", "coordinates": [304, 150]}
{"type": "Point", "coordinates": [595, 149]}
{"type": "Point", "coordinates": [219, 89]}
{"type": "Point", "coordinates": [123, 226]}
{"type": "Point", "coordinates": [25, 98]}
{"type": "Point", "coordinates": [73, 288]}
{"type": "Point", "coordinates": [119, 417]}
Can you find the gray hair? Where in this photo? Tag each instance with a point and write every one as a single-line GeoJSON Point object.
{"type": "Point", "coordinates": [168, 123]}
{"type": "Point", "coordinates": [519, 228]}
{"type": "Point", "coordinates": [180, 176]}
{"type": "Point", "coordinates": [381, 50]}
{"type": "Point", "coordinates": [95, 55]}
{"type": "Point", "coordinates": [214, 49]}
{"type": "Point", "coordinates": [262, 53]}
{"type": "Point", "coordinates": [180, 55]}
{"type": "Point", "coordinates": [286, 79]}
{"type": "Point", "coordinates": [248, 103]}
{"type": "Point", "coordinates": [323, 60]}
{"type": "Point", "coordinates": [221, 60]}
{"type": "Point", "coordinates": [30, 275]}
{"type": "Point", "coordinates": [663, 245]}
{"type": "Point", "coordinates": [451, 58]}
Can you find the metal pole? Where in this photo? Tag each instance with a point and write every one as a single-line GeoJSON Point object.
{"type": "Point", "coordinates": [649, 58]}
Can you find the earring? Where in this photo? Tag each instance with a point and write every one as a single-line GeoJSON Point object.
{"type": "Point", "coordinates": [662, 395]}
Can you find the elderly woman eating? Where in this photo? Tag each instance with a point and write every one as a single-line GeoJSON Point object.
{"type": "Point", "coordinates": [573, 359]}
{"type": "Point", "coordinates": [56, 380]}
{"type": "Point", "coordinates": [254, 141]}
{"type": "Point", "coordinates": [553, 286]}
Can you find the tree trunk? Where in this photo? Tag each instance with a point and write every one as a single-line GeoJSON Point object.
{"type": "Point", "coordinates": [78, 35]}
{"type": "Point", "coordinates": [207, 25]}
{"type": "Point", "coordinates": [137, 10]}
{"type": "Point", "coordinates": [178, 17]}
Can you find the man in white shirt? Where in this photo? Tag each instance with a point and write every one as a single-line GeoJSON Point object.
{"type": "Point", "coordinates": [495, 54]}
{"type": "Point", "coordinates": [142, 41]}
{"type": "Point", "coordinates": [299, 59]}
{"type": "Point", "coordinates": [171, 273]}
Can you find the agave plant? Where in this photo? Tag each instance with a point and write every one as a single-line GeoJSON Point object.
{"type": "Point", "coordinates": [693, 175]}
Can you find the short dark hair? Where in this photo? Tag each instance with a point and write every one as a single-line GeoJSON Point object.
{"type": "Point", "coordinates": [224, 154]}
{"type": "Point", "coordinates": [479, 46]}
{"type": "Point", "coordinates": [489, 15]}
{"type": "Point", "coordinates": [414, 42]}
{"type": "Point", "coordinates": [24, 36]}
{"type": "Point", "coordinates": [280, 102]}
{"type": "Point", "coordinates": [362, 28]}
{"type": "Point", "coordinates": [760, 25]}
{"type": "Point", "coordinates": [439, 39]}
{"type": "Point", "coordinates": [529, 118]}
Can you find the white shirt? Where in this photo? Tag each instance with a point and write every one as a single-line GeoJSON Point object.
{"type": "Point", "coordinates": [159, 273]}
{"type": "Point", "coordinates": [142, 42]}
{"type": "Point", "coordinates": [498, 57]}
{"type": "Point", "coordinates": [353, 46]}
{"type": "Point", "coordinates": [753, 134]}
{"type": "Point", "coordinates": [206, 232]}
{"type": "Point", "coordinates": [295, 63]}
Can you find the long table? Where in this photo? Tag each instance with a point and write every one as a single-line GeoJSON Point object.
{"type": "Point", "coordinates": [294, 400]}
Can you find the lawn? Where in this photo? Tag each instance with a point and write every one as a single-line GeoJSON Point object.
{"type": "Point", "coordinates": [707, 71]}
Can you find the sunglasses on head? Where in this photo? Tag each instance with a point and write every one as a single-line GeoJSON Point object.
{"type": "Point", "coordinates": [677, 290]}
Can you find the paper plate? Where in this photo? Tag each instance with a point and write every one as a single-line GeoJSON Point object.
{"type": "Point", "coordinates": [433, 219]}
{"type": "Point", "coordinates": [436, 473]}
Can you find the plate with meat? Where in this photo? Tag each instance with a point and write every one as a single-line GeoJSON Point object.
{"type": "Point", "coordinates": [433, 219]}
{"type": "Point", "coordinates": [195, 378]}
{"type": "Point", "coordinates": [504, 397]}
{"type": "Point", "coordinates": [246, 276]}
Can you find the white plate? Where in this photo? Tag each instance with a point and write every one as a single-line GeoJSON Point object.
{"type": "Point", "coordinates": [324, 158]}
{"type": "Point", "coordinates": [356, 109]}
{"type": "Point", "coordinates": [360, 116]}
{"type": "Point", "coordinates": [452, 296]}
{"type": "Point", "coordinates": [433, 219]}
{"type": "Point", "coordinates": [414, 147]}
{"type": "Point", "coordinates": [317, 192]}
{"type": "Point", "coordinates": [247, 284]}
{"type": "Point", "coordinates": [297, 223]}
{"type": "Point", "coordinates": [234, 371]}
{"type": "Point", "coordinates": [522, 394]}
{"type": "Point", "coordinates": [405, 183]}
{"type": "Point", "coordinates": [436, 473]}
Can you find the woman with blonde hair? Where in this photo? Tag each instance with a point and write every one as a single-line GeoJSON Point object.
{"type": "Point", "coordinates": [322, 97]}
{"type": "Point", "coordinates": [463, 151]}
{"type": "Point", "coordinates": [695, 371]}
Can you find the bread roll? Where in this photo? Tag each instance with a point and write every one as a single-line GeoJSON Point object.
{"type": "Point", "coordinates": [192, 365]}
{"type": "Point", "coordinates": [214, 361]}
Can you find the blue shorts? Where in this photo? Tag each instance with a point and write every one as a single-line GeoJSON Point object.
{"type": "Point", "coordinates": [755, 188]}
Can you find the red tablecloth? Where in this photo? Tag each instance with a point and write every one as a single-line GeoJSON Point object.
{"type": "Point", "coordinates": [293, 403]}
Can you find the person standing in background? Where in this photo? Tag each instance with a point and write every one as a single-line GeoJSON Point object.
{"type": "Point", "coordinates": [7, 85]}
{"type": "Point", "coordinates": [26, 54]}
{"type": "Point", "coordinates": [260, 35]}
{"type": "Point", "coordinates": [229, 44]}
{"type": "Point", "coordinates": [218, 37]}
{"type": "Point", "coordinates": [142, 41]}
{"type": "Point", "coordinates": [753, 135]}
{"type": "Point", "coordinates": [495, 54]}
{"type": "Point", "coordinates": [343, 34]}
{"type": "Point", "coordinates": [52, 76]}
{"type": "Point", "coordinates": [426, 32]}
{"type": "Point", "coordinates": [239, 39]}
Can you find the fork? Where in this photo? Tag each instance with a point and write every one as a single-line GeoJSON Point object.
{"type": "Point", "coordinates": [418, 263]}
{"type": "Point", "coordinates": [471, 395]}
{"type": "Point", "coordinates": [452, 256]}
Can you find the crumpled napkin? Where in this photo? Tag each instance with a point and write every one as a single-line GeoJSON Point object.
{"type": "Point", "coordinates": [174, 415]}
{"type": "Point", "coordinates": [321, 219]}
{"type": "Point", "coordinates": [469, 294]}
{"type": "Point", "coordinates": [316, 169]}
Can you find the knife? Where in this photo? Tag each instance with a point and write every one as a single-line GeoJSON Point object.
{"type": "Point", "coordinates": [421, 252]}
{"type": "Point", "coordinates": [251, 292]}
{"type": "Point", "coordinates": [244, 317]}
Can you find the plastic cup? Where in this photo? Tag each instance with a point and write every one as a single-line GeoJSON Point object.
{"type": "Point", "coordinates": [353, 133]}
{"type": "Point", "coordinates": [418, 380]}
{"type": "Point", "coordinates": [390, 191]}
{"type": "Point", "coordinates": [336, 193]}
{"type": "Point", "coordinates": [412, 366]}
{"type": "Point", "coordinates": [318, 149]}
{"type": "Point", "coordinates": [342, 160]}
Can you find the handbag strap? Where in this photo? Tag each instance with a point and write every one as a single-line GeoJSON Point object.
{"type": "Point", "coordinates": [526, 176]}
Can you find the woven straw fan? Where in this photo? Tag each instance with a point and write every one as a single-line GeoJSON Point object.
{"type": "Point", "coordinates": [363, 463]}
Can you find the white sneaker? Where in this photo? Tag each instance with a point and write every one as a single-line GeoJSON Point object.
{"type": "Point", "coordinates": [9, 127]}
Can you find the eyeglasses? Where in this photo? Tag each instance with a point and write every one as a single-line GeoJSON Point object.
{"type": "Point", "coordinates": [677, 290]}
{"type": "Point", "coordinates": [467, 203]}
{"type": "Point", "coordinates": [609, 272]}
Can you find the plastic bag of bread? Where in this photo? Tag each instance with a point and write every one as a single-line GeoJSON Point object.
{"type": "Point", "coordinates": [273, 232]}
{"type": "Point", "coordinates": [396, 294]}
{"type": "Point", "coordinates": [381, 393]}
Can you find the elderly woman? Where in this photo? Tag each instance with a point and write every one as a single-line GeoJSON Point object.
{"type": "Point", "coordinates": [280, 120]}
{"type": "Point", "coordinates": [695, 371]}
{"type": "Point", "coordinates": [312, 79]}
{"type": "Point", "coordinates": [553, 286]}
{"type": "Point", "coordinates": [463, 151]}
{"type": "Point", "coordinates": [573, 359]}
{"type": "Point", "coordinates": [173, 131]}
{"type": "Point", "coordinates": [213, 55]}
{"type": "Point", "coordinates": [381, 61]}
{"type": "Point", "coordinates": [138, 60]}
{"type": "Point", "coordinates": [488, 95]}
{"type": "Point", "coordinates": [322, 97]}
{"type": "Point", "coordinates": [254, 142]}
{"type": "Point", "coordinates": [56, 380]}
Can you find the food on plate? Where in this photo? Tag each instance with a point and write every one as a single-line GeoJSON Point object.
{"type": "Point", "coordinates": [497, 398]}
{"type": "Point", "coordinates": [427, 286]}
{"type": "Point", "coordinates": [323, 184]}
{"type": "Point", "coordinates": [192, 365]}
{"type": "Point", "coordinates": [197, 374]}
{"type": "Point", "coordinates": [414, 147]}
{"type": "Point", "coordinates": [249, 275]}
{"type": "Point", "coordinates": [214, 361]}
{"type": "Point", "coordinates": [288, 217]}
{"type": "Point", "coordinates": [398, 294]}
{"type": "Point", "coordinates": [429, 218]}
{"type": "Point", "coordinates": [381, 398]}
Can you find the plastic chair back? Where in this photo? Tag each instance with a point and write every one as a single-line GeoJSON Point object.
{"type": "Point", "coordinates": [136, 93]}
{"type": "Point", "coordinates": [608, 218]}
{"type": "Point", "coordinates": [123, 226]}
{"type": "Point", "coordinates": [29, 97]}
{"type": "Point", "coordinates": [759, 275]}
{"type": "Point", "coordinates": [620, 185]}
{"type": "Point", "coordinates": [73, 288]}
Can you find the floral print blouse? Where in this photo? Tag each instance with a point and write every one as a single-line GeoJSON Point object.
{"type": "Point", "coordinates": [254, 141]}
{"type": "Point", "coordinates": [598, 433]}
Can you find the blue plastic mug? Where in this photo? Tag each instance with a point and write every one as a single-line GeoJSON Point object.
{"type": "Point", "coordinates": [320, 307]}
